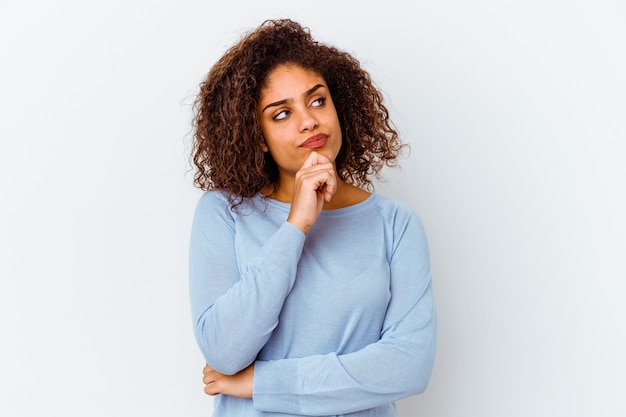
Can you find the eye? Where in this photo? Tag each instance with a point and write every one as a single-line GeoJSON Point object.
{"type": "Point", "coordinates": [281, 115]}
{"type": "Point", "coordinates": [319, 102]}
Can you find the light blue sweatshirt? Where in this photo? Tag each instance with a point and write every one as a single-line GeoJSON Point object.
{"type": "Point", "coordinates": [338, 321]}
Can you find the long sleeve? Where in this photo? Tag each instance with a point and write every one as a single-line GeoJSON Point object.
{"type": "Point", "coordinates": [398, 365]}
{"type": "Point", "coordinates": [235, 307]}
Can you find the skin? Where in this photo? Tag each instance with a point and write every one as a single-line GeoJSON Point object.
{"type": "Point", "coordinates": [295, 107]}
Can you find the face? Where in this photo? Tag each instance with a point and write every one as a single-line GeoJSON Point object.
{"type": "Point", "coordinates": [297, 117]}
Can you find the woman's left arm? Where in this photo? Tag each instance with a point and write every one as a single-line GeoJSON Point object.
{"type": "Point", "coordinates": [395, 367]}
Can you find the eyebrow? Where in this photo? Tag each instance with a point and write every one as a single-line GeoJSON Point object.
{"type": "Point", "coordinates": [283, 101]}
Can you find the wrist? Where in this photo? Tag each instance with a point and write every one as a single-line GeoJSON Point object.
{"type": "Point", "coordinates": [304, 228]}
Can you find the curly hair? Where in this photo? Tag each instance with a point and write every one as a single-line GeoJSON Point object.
{"type": "Point", "coordinates": [227, 149]}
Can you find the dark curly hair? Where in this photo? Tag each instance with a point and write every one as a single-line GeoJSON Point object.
{"type": "Point", "coordinates": [227, 139]}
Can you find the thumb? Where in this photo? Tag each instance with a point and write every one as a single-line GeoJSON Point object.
{"type": "Point", "coordinates": [313, 159]}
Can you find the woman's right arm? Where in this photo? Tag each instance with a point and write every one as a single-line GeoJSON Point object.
{"type": "Point", "coordinates": [235, 311]}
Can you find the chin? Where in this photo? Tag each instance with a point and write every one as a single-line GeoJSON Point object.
{"type": "Point", "coordinates": [328, 153]}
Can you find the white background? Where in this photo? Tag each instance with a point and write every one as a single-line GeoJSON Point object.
{"type": "Point", "coordinates": [516, 115]}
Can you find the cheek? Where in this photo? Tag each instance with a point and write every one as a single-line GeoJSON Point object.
{"type": "Point", "coordinates": [278, 135]}
{"type": "Point", "coordinates": [269, 138]}
{"type": "Point", "coordinates": [332, 119]}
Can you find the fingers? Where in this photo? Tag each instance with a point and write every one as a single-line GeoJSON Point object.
{"type": "Point", "coordinates": [317, 178]}
{"type": "Point", "coordinates": [208, 375]}
{"type": "Point", "coordinates": [330, 188]}
{"type": "Point", "coordinates": [315, 183]}
{"type": "Point", "coordinates": [318, 172]}
{"type": "Point", "coordinates": [315, 158]}
{"type": "Point", "coordinates": [210, 378]}
{"type": "Point", "coordinates": [209, 389]}
{"type": "Point", "coordinates": [239, 385]}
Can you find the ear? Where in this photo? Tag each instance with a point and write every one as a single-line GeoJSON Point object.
{"type": "Point", "coordinates": [264, 147]}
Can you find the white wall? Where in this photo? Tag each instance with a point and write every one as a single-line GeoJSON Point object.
{"type": "Point", "coordinates": [515, 112]}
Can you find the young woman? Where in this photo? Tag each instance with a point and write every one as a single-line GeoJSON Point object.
{"type": "Point", "coordinates": [309, 294]}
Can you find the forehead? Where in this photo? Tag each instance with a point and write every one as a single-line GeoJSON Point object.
{"type": "Point", "coordinates": [289, 79]}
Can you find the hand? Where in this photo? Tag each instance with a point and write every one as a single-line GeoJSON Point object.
{"type": "Point", "coordinates": [315, 183]}
{"type": "Point", "coordinates": [238, 385]}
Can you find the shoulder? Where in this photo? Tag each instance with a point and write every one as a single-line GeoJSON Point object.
{"type": "Point", "coordinates": [217, 204]}
{"type": "Point", "coordinates": [213, 199]}
{"type": "Point", "coordinates": [213, 202]}
{"type": "Point", "coordinates": [400, 218]}
{"type": "Point", "coordinates": [394, 210]}
{"type": "Point", "coordinates": [212, 207]}
{"type": "Point", "coordinates": [404, 226]}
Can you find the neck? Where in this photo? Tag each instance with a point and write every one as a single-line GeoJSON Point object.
{"type": "Point", "coordinates": [345, 195]}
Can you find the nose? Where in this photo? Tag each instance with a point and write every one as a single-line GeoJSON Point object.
{"type": "Point", "coordinates": [308, 121]}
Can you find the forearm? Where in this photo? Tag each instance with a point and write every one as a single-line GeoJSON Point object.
{"type": "Point", "coordinates": [395, 367]}
{"type": "Point", "coordinates": [232, 331]}
{"type": "Point", "coordinates": [236, 306]}
{"type": "Point", "coordinates": [321, 385]}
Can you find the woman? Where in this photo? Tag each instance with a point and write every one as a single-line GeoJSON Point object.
{"type": "Point", "coordinates": [309, 295]}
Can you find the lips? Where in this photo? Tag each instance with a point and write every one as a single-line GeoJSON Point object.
{"type": "Point", "coordinates": [315, 141]}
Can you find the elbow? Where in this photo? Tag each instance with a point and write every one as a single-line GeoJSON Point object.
{"type": "Point", "coordinates": [421, 384]}
{"type": "Point", "coordinates": [224, 367]}
{"type": "Point", "coordinates": [423, 372]}
{"type": "Point", "coordinates": [418, 381]}
{"type": "Point", "coordinates": [420, 370]}
{"type": "Point", "coordinates": [424, 361]}
{"type": "Point", "coordinates": [221, 363]}
{"type": "Point", "coordinates": [227, 360]}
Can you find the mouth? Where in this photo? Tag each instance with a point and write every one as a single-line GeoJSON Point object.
{"type": "Point", "coordinates": [315, 141]}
